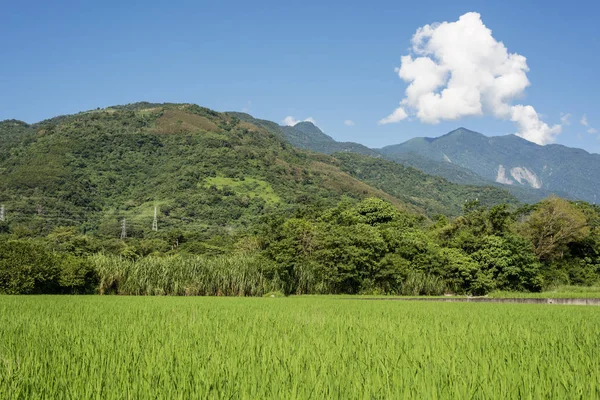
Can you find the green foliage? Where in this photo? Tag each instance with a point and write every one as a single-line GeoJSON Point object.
{"type": "Point", "coordinates": [431, 194]}
{"type": "Point", "coordinates": [235, 198]}
{"type": "Point", "coordinates": [294, 348]}
{"type": "Point", "coordinates": [274, 294]}
{"type": "Point", "coordinates": [509, 262]}
{"type": "Point", "coordinates": [204, 170]}
{"type": "Point", "coordinates": [76, 275]}
{"type": "Point", "coordinates": [553, 226]}
{"type": "Point", "coordinates": [27, 267]}
{"type": "Point", "coordinates": [181, 275]}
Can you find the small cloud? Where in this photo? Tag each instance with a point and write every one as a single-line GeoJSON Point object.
{"type": "Point", "coordinates": [564, 118]}
{"type": "Point", "coordinates": [592, 130]}
{"type": "Point", "coordinates": [398, 115]}
{"type": "Point", "coordinates": [349, 122]}
{"type": "Point", "coordinates": [248, 107]}
{"type": "Point", "coordinates": [291, 121]}
{"type": "Point", "coordinates": [583, 121]}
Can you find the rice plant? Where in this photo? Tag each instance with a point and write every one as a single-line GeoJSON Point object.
{"type": "Point", "coordinates": [121, 347]}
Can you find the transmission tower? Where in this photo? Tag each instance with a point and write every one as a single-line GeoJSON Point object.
{"type": "Point", "coordinates": [155, 221]}
{"type": "Point", "coordinates": [123, 229]}
{"type": "Point", "coordinates": [2, 216]}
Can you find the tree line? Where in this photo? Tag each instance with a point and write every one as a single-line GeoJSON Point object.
{"type": "Point", "coordinates": [353, 247]}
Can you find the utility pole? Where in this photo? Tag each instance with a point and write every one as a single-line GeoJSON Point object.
{"type": "Point", "coordinates": [123, 229]}
{"type": "Point", "coordinates": [155, 221]}
{"type": "Point", "coordinates": [2, 216]}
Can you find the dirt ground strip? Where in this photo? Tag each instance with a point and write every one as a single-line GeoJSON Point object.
{"type": "Point", "coordinates": [563, 301]}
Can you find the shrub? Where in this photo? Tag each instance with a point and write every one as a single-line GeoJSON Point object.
{"type": "Point", "coordinates": [26, 267]}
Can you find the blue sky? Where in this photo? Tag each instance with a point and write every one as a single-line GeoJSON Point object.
{"type": "Point", "coordinates": [332, 62]}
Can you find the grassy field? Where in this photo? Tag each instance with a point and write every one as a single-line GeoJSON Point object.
{"type": "Point", "coordinates": [115, 347]}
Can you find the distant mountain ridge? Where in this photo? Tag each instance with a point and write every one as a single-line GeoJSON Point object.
{"type": "Point", "coordinates": [529, 171]}
{"type": "Point", "coordinates": [511, 161]}
{"type": "Point", "coordinates": [307, 136]}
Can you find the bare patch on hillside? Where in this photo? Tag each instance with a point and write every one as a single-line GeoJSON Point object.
{"type": "Point", "coordinates": [175, 121]}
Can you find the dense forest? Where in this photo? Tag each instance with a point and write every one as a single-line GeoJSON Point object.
{"type": "Point", "coordinates": [240, 211]}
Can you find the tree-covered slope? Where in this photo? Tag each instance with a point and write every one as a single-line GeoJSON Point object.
{"type": "Point", "coordinates": [417, 153]}
{"type": "Point", "coordinates": [434, 194]}
{"type": "Point", "coordinates": [204, 171]}
{"type": "Point", "coordinates": [507, 160]}
{"type": "Point", "coordinates": [201, 168]}
{"type": "Point", "coordinates": [306, 135]}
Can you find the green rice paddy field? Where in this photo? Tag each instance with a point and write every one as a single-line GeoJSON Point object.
{"type": "Point", "coordinates": [113, 347]}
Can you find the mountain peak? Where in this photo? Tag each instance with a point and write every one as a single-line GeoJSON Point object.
{"type": "Point", "coordinates": [309, 128]}
{"type": "Point", "coordinates": [306, 125]}
{"type": "Point", "coordinates": [463, 132]}
{"type": "Point", "coordinates": [14, 122]}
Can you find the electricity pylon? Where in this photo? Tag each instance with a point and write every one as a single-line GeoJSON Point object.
{"type": "Point", "coordinates": [123, 229]}
{"type": "Point", "coordinates": [155, 221]}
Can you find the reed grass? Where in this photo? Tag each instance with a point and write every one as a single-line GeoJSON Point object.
{"type": "Point", "coordinates": [231, 275]}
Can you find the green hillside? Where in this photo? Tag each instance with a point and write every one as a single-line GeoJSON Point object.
{"type": "Point", "coordinates": [205, 171]}
{"type": "Point", "coordinates": [241, 211]}
{"type": "Point", "coordinates": [201, 168]}
{"type": "Point", "coordinates": [529, 171]}
{"type": "Point", "coordinates": [305, 135]}
{"type": "Point", "coordinates": [431, 193]}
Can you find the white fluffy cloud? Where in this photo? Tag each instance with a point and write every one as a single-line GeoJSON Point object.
{"type": "Point", "coordinates": [291, 121]}
{"type": "Point", "coordinates": [592, 130]}
{"type": "Point", "coordinates": [565, 119]}
{"type": "Point", "coordinates": [528, 121]}
{"type": "Point", "coordinates": [349, 122]}
{"type": "Point", "coordinates": [458, 69]}
{"type": "Point", "coordinates": [398, 115]}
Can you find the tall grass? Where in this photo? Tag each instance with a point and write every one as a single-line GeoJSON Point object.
{"type": "Point", "coordinates": [116, 347]}
{"type": "Point", "coordinates": [231, 275]}
{"type": "Point", "coordinates": [228, 275]}
{"type": "Point", "coordinates": [421, 284]}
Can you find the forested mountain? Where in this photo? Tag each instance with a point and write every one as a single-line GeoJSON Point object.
{"type": "Point", "coordinates": [468, 168]}
{"type": "Point", "coordinates": [241, 211]}
{"type": "Point", "coordinates": [305, 135]}
{"type": "Point", "coordinates": [410, 185]}
{"type": "Point", "coordinates": [204, 170]}
{"type": "Point", "coordinates": [508, 160]}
